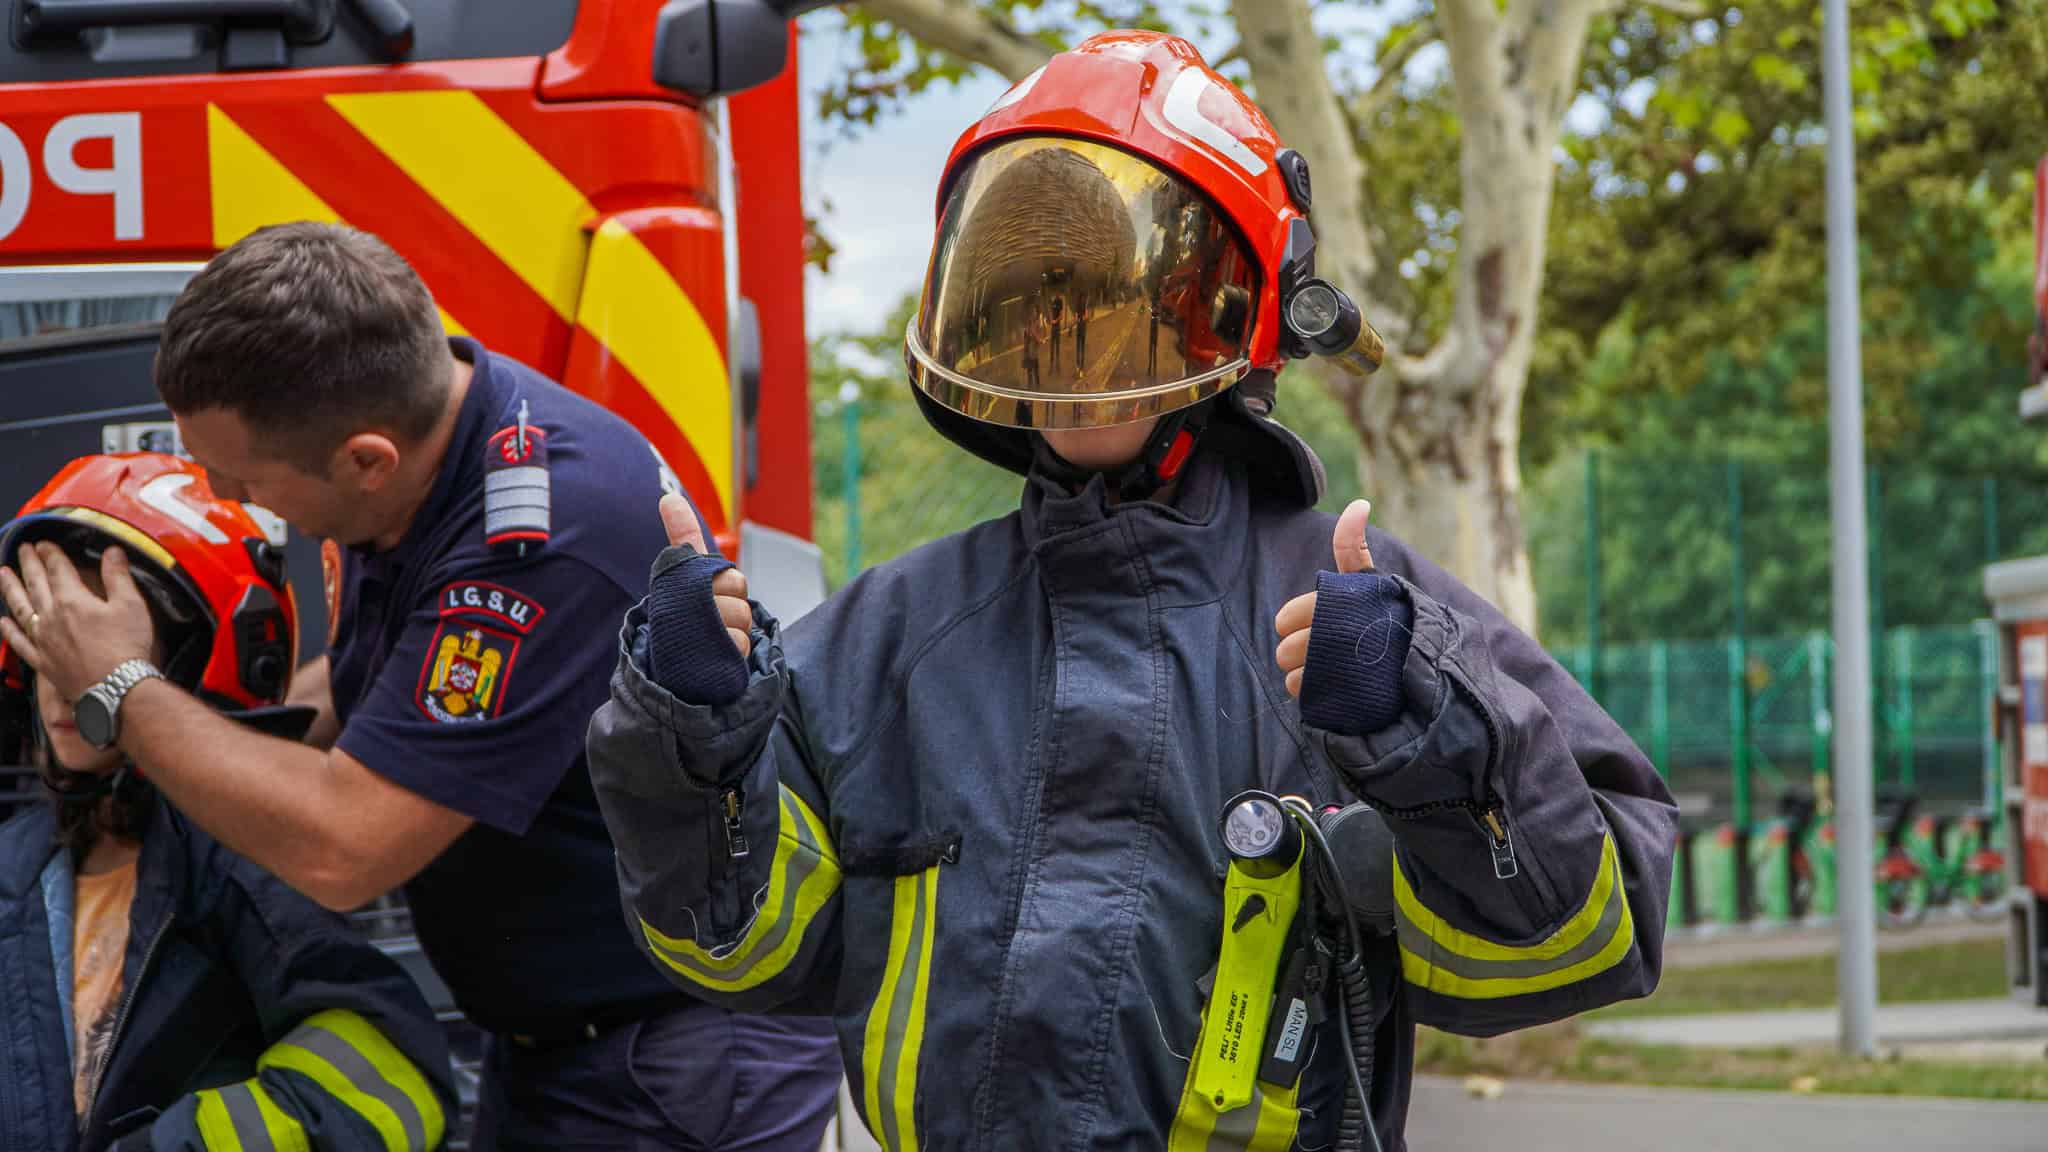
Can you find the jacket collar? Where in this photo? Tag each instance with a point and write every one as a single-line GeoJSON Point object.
{"type": "Point", "coordinates": [31, 842]}
{"type": "Point", "coordinates": [1186, 551]}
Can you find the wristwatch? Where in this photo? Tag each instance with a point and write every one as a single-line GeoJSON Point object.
{"type": "Point", "coordinates": [98, 712]}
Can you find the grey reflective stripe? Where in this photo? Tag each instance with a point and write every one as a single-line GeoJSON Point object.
{"type": "Point", "coordinates": [899, 1014]}
{"type": "Point", "coordinates": [1235, 1129]}
{"type": "Point", "coordinates": [365, 1078]}
{"type": "Point", "coordinates": [240, 1101]}
{"type": "Point", "coordinates": [1420, 943]}
{"type": "Point", "coordinates": [523, 476]}
{"type": "Point", "coordinates": [516, 498]}
{"type": "Point", "coordinates": [804, 860]}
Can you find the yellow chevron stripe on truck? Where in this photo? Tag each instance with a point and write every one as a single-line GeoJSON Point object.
{"type": "Point", "coordinates": [251, 190]}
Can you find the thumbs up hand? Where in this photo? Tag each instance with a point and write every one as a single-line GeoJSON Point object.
{"type": "Point", "coordinates": [698, 618]}
{"type": "Point", "coordinates": [1342, 646]}
{"type": "Point", "coordinates": [728, 588]}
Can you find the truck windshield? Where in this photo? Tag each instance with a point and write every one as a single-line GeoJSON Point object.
{"type": "Point", "coordinates": [182, 37]}
{"type": "Point", "coordinates": [38, 302]}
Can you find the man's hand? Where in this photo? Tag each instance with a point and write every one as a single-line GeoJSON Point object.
{"type": "Point", "coordinates": [62, 629]}
{"type": "Point", "coordinates": [728, 588]}
{"type": "Point", "coordinates": [1352, 555]}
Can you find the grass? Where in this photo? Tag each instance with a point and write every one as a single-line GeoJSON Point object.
{"type": "Point", "coordinates": [1559, 1052]}
{"type": "Point", "coordinates": [1962, 971]}
{"type": "Point", "coordinates": [1948, 972]}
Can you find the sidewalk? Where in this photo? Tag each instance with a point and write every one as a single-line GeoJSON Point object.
{"type": "Point", "coordinates": [1941, 1022]}
{"type": "Point", "coordinates": [1530, 1117]}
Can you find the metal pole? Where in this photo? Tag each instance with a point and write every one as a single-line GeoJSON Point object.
{"type": "Point", "coordinates": [1857, 960]}
{"type": "Point", "coordinates": [1738, 655]}
{"type": "Point", "coordinates": [1592, 677]}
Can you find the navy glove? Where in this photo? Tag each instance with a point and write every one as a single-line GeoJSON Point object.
{"type": "Point", "coordinates": [1357, 645]}
{"type": "Point", "coordinates": [688, 651]}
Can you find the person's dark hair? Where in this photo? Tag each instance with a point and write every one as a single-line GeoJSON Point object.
{"type": "Point", "coordinates": [309, 333]}
{"type": "Point", "coordinates": [79, 825]}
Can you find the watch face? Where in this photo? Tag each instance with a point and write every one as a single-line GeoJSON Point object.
{"type": "Point", "coordinates": [95, 719]}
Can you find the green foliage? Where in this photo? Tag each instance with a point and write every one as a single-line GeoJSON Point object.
{"type": "Point", "coordinates": [1685, 295]}
{"type": "Point", "coordinates": [913, 484]}
{"type": "Point", "coordinates": [1683, 320]}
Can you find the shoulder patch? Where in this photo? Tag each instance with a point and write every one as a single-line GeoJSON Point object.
{"type": "Point", "coordinates": [493, 602]}
{"type": "Point", "coordinates": [463, 680]}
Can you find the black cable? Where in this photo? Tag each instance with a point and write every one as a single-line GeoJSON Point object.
{"type": "Point", "coordinates": [1357, 989]}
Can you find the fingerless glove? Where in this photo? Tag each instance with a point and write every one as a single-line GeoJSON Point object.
{"type": "Point", "coordinates": [1357, 644]}
{"type": "Point", "coordinates": [688, 651]}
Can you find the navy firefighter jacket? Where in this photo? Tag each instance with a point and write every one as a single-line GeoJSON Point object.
{"type": "Point", "coordinates": [251, 1017]}
{"type": "Point", "coordinates": [980, 790]}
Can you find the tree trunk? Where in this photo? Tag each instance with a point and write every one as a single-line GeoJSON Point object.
{"type": "Point", "coordinates": [1442, 437]}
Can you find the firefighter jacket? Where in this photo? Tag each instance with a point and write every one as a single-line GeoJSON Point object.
{"type": "Point", "coordinates": [970, 805]}
{"type": "Point", "coordinates": [249, 1018]}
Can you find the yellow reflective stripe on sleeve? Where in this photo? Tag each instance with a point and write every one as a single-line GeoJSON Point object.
{"type": "Point", "coordinates": [803, 878]}
{"type": "Point", "coordinates": [353, 1062]}
{"type": "Point", "coordinates": [465, 156]}
{"type": "Point", "coordinates": [241, 1118]}
{"type": "Point", "coordinates": [1267, 1124]}
{"type": "Point", "coordinates": [1439, 958]}
{"type": "Point", "coordinates": [895, 1032]}
{"type": "Point", "coordinates": [638, 311]}
{"type": "Point", "coordinates": [252, 189]}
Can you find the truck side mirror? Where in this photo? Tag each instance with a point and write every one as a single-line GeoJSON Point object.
{"type": "Point", "coordinates": [717, 47]}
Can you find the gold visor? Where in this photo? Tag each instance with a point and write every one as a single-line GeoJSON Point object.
{"type": "Point", "coordinates": [1075, 285]}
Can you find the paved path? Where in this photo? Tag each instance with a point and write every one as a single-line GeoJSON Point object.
{"type": "Point", "coordinates": [1900, 1024]}
{"type": "Point", "coordinates": [1532, 1117]}
{"type": "Point", "coordinates": [1585, 1118]}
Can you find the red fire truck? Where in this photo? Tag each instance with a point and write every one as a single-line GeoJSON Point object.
{"type": "Point", "coordinates": [605, 189]}
{"type": "Point", "coordinates": [582, 183]}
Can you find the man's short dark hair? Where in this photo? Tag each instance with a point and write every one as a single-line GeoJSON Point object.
{"type": "Point", "coordinates": [310, 333]}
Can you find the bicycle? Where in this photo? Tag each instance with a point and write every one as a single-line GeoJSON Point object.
{"type": "Point", "coordinates": [1943, 862]}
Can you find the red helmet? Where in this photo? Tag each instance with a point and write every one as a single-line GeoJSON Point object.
{"type": "Point", "coordinates": [1129, 186]}
{"type": "Point", "coordinates": [213, 576]}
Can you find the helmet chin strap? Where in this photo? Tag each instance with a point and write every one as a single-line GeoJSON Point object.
{"type": "Point", "coordinates": [1158, 463]}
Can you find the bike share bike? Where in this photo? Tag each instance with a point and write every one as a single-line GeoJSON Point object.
{"type": "Point", "coordinates": [1921, 860]}
{"type": "Point", "coordinates": [1933, 860]}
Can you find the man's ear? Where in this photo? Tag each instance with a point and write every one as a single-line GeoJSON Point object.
{"type": "Point", "coordinates": [370, 458]}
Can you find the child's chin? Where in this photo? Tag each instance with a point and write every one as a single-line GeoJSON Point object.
{"type": "Point", "coordinates": [78, 756]}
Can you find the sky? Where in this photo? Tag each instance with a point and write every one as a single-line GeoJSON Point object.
{"type": "Point", "coordinates": [876, 192]}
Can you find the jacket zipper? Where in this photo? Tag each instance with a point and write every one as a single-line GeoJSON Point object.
{"type": "Point", "coordinates": [731, 805]}
{"type": "Point", "coordinates": [92, 1100]}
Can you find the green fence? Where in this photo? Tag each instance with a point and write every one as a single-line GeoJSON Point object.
{"type": "Point", "coordinates": [1691, 595]}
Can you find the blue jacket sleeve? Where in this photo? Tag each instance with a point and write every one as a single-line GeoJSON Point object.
{"type": "Point", "coordinates": [726, 866]}
{"type": "Point", "coordinates": [1533, 839]}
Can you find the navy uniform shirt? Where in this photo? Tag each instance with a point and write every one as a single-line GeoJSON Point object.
{"type": "Point", "coordinates": [470, 677]}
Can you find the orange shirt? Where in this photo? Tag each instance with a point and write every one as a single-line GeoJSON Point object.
{"type": "Point", "coordinates": [99, 940]}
